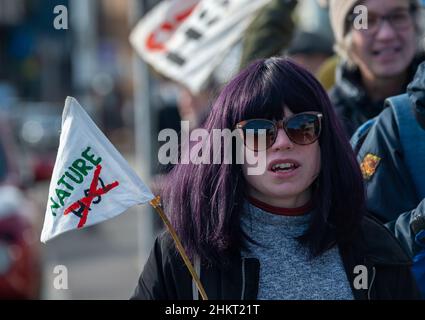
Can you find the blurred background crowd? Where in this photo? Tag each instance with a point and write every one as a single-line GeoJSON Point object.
{"type": "Point", "coordinates": [131, 102]}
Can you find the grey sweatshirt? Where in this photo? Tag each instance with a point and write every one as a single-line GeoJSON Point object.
{"type": "Point", "coordinates": [286, 271]}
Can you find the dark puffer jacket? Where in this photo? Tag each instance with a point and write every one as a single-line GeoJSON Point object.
{"type": "Point", "coordinates": [351, 101]}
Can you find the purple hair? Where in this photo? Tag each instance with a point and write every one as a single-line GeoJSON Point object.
{"type": "Point", "coordinates": [205, 202]}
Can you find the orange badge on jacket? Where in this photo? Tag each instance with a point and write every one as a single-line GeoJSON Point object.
{"type": "Point", "coordinates": [369, 164]}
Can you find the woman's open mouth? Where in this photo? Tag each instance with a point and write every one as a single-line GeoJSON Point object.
{"type": "Point", "coordinates": [284, 167]}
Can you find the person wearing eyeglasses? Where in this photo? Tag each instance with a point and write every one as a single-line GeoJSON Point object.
{"type": "Point", "coordinates": [378, 61]}
{"type": "Point", "coordinates": [296, 230]}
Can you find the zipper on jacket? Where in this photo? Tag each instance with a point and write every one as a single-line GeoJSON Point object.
{"type": "Point", "coordinates": [243, 279]}
{"type": "Point", "coordinates": [197, 266]}
{"type": "Point", "coordinates": [371, 283]}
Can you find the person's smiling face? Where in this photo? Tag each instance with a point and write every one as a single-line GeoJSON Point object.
{"type": "Point", "coordinates": [387, 48]}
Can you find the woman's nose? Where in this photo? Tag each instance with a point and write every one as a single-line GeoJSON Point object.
{"type": "Point", "coordinates": [282, 141]}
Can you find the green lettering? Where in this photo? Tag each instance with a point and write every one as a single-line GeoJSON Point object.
{"type": "Point", "coordinates": [90, 157]}
{"type": "Point", "coordinates": [54, 206]}
{"type": "Point", "coordinates": [78, 178]}
{"type": "Point", "coordinates": [81, 166]}
{"type": "Point", "coordinates": [62, 194]}
{"type": "Point", "coordinates": [66, 184]}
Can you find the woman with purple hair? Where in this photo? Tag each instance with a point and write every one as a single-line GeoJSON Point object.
{"type": "Point", "coordinates": [297, 230]}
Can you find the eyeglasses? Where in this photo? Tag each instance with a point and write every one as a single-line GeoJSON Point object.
{"type": "Point", "coordinates": [301, 128]}
{"type": "Point", "coordinates": [399, 20]}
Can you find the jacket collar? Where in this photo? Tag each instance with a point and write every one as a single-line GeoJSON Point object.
{"type": "Point", "coordinates": [349, 83]}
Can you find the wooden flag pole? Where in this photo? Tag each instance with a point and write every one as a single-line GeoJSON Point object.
{"type": "Point", "coordinates": [156, 204]}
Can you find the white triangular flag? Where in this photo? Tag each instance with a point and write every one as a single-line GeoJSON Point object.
{"type": "Point", "coordinates": [91, 181]}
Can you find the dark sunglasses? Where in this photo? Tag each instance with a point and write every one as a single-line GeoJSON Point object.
{"type": "Point", "coordinates": [301, 128]}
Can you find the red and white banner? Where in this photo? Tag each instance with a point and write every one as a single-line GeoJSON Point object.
{"type": "Point", "coordinates": [186, 39]}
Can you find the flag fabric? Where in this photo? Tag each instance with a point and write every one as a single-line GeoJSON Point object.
{"type": "Point", "coordinates": [187, 39]}
{"type": "Point", "coordinates": [91, 180]}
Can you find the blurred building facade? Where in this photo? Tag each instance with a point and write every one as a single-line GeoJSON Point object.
{"type": "Point", "coordinates": [91, 59]}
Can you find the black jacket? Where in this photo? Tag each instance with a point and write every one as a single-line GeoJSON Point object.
{"type": "Point", "coordinates": [165, 276]}
{"type": "Point", "coordinates": [350, 100]}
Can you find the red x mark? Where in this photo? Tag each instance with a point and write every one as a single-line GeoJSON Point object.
{"type": "Point", "coordinates": [93, 193]}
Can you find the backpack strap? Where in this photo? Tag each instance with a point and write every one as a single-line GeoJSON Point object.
{"type": "Point", "coordinates": [412, 138]}
{"type": "Point", "coordinates": [360, 135]}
